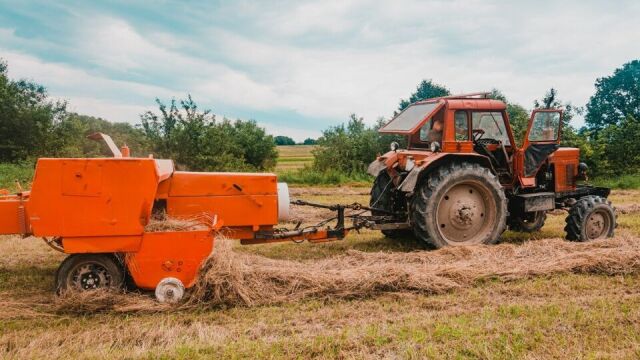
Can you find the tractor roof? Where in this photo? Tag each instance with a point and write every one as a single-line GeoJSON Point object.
{"type": "Point", "coordinates": [416, 114]}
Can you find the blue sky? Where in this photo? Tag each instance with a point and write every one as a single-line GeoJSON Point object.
{"type": "Point", "coordinates": [298, 67]}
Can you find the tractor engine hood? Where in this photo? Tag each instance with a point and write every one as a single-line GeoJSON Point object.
{"type": "Point", "coordinates": [403, 160]}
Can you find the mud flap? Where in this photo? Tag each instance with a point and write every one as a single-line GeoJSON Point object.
{"type": "Point", "coordinates": [411, 179]}
{"type": "Point", "coordinates": [375, 167]}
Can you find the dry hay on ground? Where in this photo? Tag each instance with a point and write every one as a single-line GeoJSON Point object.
{"type": "Point", "coordinates": [230, 278]}
{"type": "Point", "coordinates": [627, 209]}
{"type": "Point", "coordinates": [200, 222]}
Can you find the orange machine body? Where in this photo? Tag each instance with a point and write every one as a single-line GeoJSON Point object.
{"type": "Point", "coordinates": [102, 205]}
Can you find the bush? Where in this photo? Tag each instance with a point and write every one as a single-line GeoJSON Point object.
{"type": "Point", "coordinates": [630, 181]}
{"type": "Point", "coordinates": [198, 142]}
{"type": "Point", "coordinates": [350, 149]}
{"type": "Point", "coordinates": [10, 173]}
{"type": "Point", "coordinates": [310, 176]}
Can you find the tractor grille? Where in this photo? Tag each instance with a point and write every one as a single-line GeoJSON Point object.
{"type": "Point", "coordinates": [571, 179]}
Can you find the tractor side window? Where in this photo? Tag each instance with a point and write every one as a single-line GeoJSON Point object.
{"type": "Point", "coordinates": [545, 126]}
{"type": "Point", "coordinates": [462, 125]}
{"type": "Point", "coordinates": [492, 123]}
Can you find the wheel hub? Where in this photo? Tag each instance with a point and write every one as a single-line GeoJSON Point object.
{"type": "Point", "coordinates": [462, 213]}
{"type": "Point", "coordinates": [90, 276]}
{"type": "Point", "coordinates": [596, 225]}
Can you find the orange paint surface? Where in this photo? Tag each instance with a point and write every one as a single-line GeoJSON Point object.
{"type": "Point", "coordinates": [169, 254]}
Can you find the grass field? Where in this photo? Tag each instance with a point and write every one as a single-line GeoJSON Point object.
{"type": "Point", "coordinates": [294, 157]}
{"type": "Point", "coordinates": [553, 316]}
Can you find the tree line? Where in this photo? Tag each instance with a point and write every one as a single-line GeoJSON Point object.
{"type": "Point", "coordinates": [33, 125]}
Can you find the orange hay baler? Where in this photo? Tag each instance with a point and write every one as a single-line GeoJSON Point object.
{"type": "Point", "coordinates": [96, 210]}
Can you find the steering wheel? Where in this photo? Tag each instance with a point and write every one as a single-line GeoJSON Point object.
{"type": "Point", "coordinates": [477, 134]}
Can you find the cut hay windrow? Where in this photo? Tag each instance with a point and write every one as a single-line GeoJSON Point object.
{"type": "Point", "coordinates": [230, 278]}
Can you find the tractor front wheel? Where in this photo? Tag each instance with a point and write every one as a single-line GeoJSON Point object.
{"type": "Point", "coordinates": [82, 272]}
{"type": "Point", "coordinates": [590, 218]}
{"type": "Point", "coordinates": [459, 204]}
{"type": "Point", "coordinates": [385, 197]}
{"type": "Point", "coordinates": [528, 222]}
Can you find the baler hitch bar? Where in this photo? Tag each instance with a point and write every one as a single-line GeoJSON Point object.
{"type": "Point", "coordinates": [340, 230]}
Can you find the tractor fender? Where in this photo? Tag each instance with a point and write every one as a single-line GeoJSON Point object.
{"type": "Point", "coordinates": [386, 161]}
{"type": "Point", "coordinates": [432, 162]}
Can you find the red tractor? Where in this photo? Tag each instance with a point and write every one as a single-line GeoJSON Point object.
{"type": "Point", "coordinates": [463, 179]}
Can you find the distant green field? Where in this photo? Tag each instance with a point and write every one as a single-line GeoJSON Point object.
{"type": "Point", "coordinates": [293, 157]}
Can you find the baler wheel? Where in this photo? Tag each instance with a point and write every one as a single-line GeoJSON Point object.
{"type": "Point", "coordinates": [459, 204]}
{"type": "Point", "coordinates": [82, 272]}
{"type": "Point", "coordinates": [528, 222]}
{"type": "Point", "coordinates": [591, 217]}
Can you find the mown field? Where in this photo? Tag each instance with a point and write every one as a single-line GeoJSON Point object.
{"type": "Point", "coordinates": [560, 315]}
{"type": "Point", "coordinates": [293, 157]}
{"type": "Point", "coordinates": [579, 311]}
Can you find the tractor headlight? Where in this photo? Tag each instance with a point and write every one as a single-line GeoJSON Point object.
{"type": "Point", "coordinates": [435, 146]}
{"type": "Point", "coordinates": [394, 146]}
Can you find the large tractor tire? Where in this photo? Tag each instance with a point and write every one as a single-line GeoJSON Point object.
{"type": "Point", "coordinates": [385, 197]}
{"type": "Point", "coordinates": [590, 218]}
{"type": "Point", "coordinates": [528, 222]}
{"type": "Point", "coordinates": [459, 204]}
{"type": "Point", "coordinates": [82, 272]}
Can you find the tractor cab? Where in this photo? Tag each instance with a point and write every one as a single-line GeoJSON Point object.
{"type": "Point", "coordinates": [473, 125]}
{"type": "Point", "coordinates": [466, 125]}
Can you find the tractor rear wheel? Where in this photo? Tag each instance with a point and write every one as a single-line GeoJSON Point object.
{"type": "Point", "coordinates": [528, 222]}
{"type": "Point", "coordinates": [82, 272]}
{"type": "Point", "coordinates": [459, 204]}
{"type": "Point", "coordinates": [385, 197]}
{"type": "Point", "coordinates": [590, 218]}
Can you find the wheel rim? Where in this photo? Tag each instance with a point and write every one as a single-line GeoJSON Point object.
{"type": "Point", "coordinates": [465, 213]}
{"type": "Point", "coordinates": [597, 225]}
{"type": "Point", "coordinates": [90, 276]}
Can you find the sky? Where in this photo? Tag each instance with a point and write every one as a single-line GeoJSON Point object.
{"type": "Point", "coordinates": [298, 67]}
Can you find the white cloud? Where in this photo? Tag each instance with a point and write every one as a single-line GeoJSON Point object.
{"type": "Point", "coordinates": [325, 60]}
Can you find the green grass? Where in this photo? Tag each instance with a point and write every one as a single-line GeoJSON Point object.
{"type": "Point", "coordinates": [630, 181]}
{"type": "Point", "coordinates": [309, 176]}
{"type": "Point", "coordinates": [9, 173]}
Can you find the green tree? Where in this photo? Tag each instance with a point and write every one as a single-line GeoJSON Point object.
{"type": "Point", "coordinates": [284, 140]}
{"type": "Point", "coordinates": [28, 119]}
{"type": "Point", "coordinates": [309, 141]}
{"type": "Point", "coordinates": [196, 141]}
{"type": "Point", "coordinates": [348, 149]}
{"type": "Point", "coordinates": [617, 97]}
{"type": "Point", "coordinates": [426, 89]}
{"type": "Point", "coordinates": [518, 115]}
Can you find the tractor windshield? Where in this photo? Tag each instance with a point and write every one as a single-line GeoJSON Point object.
{"type": "Point", "coordinates": [410, 118]}
{"type": "Point", "coordinates": [492, 123]}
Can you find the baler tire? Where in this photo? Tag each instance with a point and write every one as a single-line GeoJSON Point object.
{"type": "Point", "coordinates": [521, 224]}
{"type": "Point", "coordinates": [105, 268]}
{"type": "Point", "coordinates": [583, 212]}
{"type": "Point", "coordinates": [435, 188]}
{"type": "Point", "coordinates": [381, 198]}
